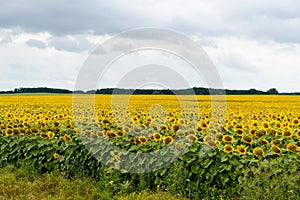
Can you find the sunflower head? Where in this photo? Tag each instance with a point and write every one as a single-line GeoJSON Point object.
{"type": "Point", "coordinates": [296, 121]}
{"type": "Point", "coordinates": [56, 156]}
{"type": "Point", "coordinates": [287, 134]}
{"type": "Point", "coordinates": [142, 140]}
{"type": "Point", "coordinates": [50, 134]}
{"type": "Point", "coordinates": [241, 149]}
{"type": "Point", "coordinates": [291, 147]}
{"type": "Point", "coordinates": [247, 139]}
{"type": "Point", "coordinates": [239, 132]}
{"type": "Point", "coordinates": [228, 149]}
{"type": "Point", "coordinates": [276, 142]}
{"type": "Point", "coordinates": [44, 135]}
{"type": "Point", "coordinates": [192, 138]}
{"type": "Point", "coordinates": [120, 133]}
{"type": "Point", "coordinates": [67, 137]}
{"type": "Point", "coordinates": [228, 138]}
{"type": "Point", "coordinates": [258, 151]}
{"type": "Point", "coordinates": [264, 142]}
{"type": "Point", "coordinates": [276, 150]}
{"type": "Point", "coordinates": [168, 140]}
{"type": "Point", "coordinates": [157, 137]}
{"type": "Point", "coordinates": [258, 133]}
{"type": "Point", "coordinates": [9, 132]}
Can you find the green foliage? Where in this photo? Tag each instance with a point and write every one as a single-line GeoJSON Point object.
{"type": "Point", "coordinates": [213, 175]}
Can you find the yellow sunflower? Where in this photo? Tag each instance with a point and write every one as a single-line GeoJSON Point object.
{"type": "Point", "coordinates": [168, 140]}
{"type": "Point", "coordinates": [291, 147]}
{"type": "Point", "coordinates": [258, 151]}
{"type": "Point", "coordinates": [264, 142]}
{"type": "Point", "coordinates": [56, 156]}
{"type": "Point", "coordinates": [9, 132]}
{"type": "Point", "coordinates": [44, 135]}
{"type": "Point", "coordinates": [277, 142]}
{"type": "Point", "coordinates": [67, 137]}
{"type": "Point", "coordinates": [239, 131]}
{"type": "Point", "coordinates": [258, 133]}
{"type": "Point", "coordinates": [276, 150]}
{"type": "Point", "coordinates": [247, 139]}
{"type": "Point", "coordinates": [228, 149]}
{"type": "Point", "coordinates": [120, 133]}
{"type": "Point", "coordinates": [241, 149]}
{"type": "Point", "coordinates": [287, 134]}
{"type": "Point", "coordinates": [142, 140]}
{"type": "Point", "coordinates": [157, 137]}
{"type": "Point", "coordinates": [228, 138]}
{"type": "Point", "coordinates": [50, 134]}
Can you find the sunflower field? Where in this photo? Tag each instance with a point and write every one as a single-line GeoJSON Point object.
{"type": "Point", "coordinates": [202, 148]}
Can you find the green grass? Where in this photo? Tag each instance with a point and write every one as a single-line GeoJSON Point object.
{"type": "Point", "coordinates": [262, 182]}
{"type": "Point", "coordinates": [23, 184]}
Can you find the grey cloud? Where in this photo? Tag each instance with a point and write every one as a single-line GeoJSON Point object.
{"type": "Point", "coordinates": [64, 43]}
{"type": "Point", "coordinates": [277, 20]}
{"type": "Point", "coordinates": [36, 43]}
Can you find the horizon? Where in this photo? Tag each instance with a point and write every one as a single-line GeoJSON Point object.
{"type": "Point", "coordinates": [158, 89]}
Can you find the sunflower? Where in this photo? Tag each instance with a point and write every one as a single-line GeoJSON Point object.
{"type": "Point", "coordinates": [287, 134]}
{"type": "Point", "coordinates": [278, 124]}
{"type": "Point", "coordinates": [241, 149]}
{"type": "Point", "coordinates": [228, 138]}
{"type": "Point", "coordinates": [264, 142]}
{"type": "Point", "coordinates": [9, 132]}
{"type": "Point", "coordinates": [50, 134]}
{"type": "Point", "coordinates": [110, 134]}
{"type": "Point", "coordinates": [120, 133]}
{"type": "Point", "coordinates": [297, 133]}
{"type": "Point", "coordinates": [33, 130]}
{"type": "Point", "coordinates": [265, 125]}
{"type": "Point", "coordinates": [252, 131]}
{"type": "Point", "coordinates": [105, 121]}
{"type": "Point", "coordinates": [44, 135]}
{"type": "Point", "coordinates": [276, 150]}
{"type": "Point", "coordinates": [291, 147]}
{"type": "Point", "coordinates": [142, 140]}
{"type": "Point", "coordinates": [192, 138]}
{"type": "Point", "coordinates": [56, 123]}
{"type": "Point", "coordinates": [132, 141]}
{"type": "Point", "coordinates": [203, 125]}
{"type": "Point", "coordinates": [56, 156]}
{"type": "Point", "coordinates": [212, 144]}
{"type": "Point", "coordinates": [239, 132]}
{"type": "Point", "coordinates": [168, 140]}
{"type": "Point", "coordinates": [272, 132]}
{"type": "Point", "coordinates": [67, 137]}
{"type": "Point", "coordinates": [258, 151]}
{"type": "Point", "coordinates": [258, 133]}
{"type": "Point", "coordinates": [296, 121]}
{"type": "Point", "coordinates": [176, 127]}
{"type": "Point", "coordinates": [157, 136]}
{"type": "Point", "coordinates": [277, 142]}
{"type": "Point", "coordinates": [228, 148]}
{"type": "Point", "coordinates": [16, 131]}
{"type": "Point", "coordinates": [247, 139]}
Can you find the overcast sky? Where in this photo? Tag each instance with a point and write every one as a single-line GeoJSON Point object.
{"type": "Point", "coordinates": [253, 44]}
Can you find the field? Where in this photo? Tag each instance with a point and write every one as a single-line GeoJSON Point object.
{"type": "Point", "coordinates": [187, 146]}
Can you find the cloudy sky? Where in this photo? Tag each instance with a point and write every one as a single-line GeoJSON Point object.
{"type": "Point", "coordinates": [253, 44]}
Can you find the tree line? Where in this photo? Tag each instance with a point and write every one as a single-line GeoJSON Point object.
{"type": "Point", "coordinates": [189, 91]}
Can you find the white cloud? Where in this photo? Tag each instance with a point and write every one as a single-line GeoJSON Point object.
{"type": "Point", "coordinates": [254, 44]}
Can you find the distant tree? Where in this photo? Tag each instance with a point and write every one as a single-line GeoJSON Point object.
{"type": "Point", "coordinates": [272, 91]}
